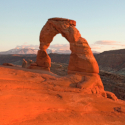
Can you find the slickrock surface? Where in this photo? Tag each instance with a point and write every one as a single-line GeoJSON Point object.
{"type": "Point", "coordinates": [37, 97]}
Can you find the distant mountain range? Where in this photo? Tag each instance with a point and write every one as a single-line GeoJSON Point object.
{"type": "Point", "coordinates": [23, 51]}
{"type": "Point", "coordinates": [20, 51]}
{"type": "Point", "coordinates": [34, 51]}
{"type": "Point", "coordinates": [111, 61]}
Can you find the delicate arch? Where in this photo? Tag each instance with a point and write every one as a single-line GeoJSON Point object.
{"type": "Point", "coordinates": [82, 61]}
{"type": "Point", "coordinates": [81, 58]}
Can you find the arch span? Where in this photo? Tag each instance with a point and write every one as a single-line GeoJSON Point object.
{"type": "Point", "coordinates": [81, 58]}
{"type": "Point", "coordinates": [82, 61]}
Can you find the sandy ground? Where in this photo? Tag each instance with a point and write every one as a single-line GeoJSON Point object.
{"type": "Point", "coordinates": [34, 97]}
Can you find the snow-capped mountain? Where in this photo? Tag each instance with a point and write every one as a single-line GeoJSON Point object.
{"type": "Point", "coordinates": [23, 51]}
{"type": "Point", "coordinates": [20, 51]}
{"type": "Point", "coordinates": [32, 49]}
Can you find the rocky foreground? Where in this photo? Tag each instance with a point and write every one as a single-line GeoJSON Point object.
{"type": "Point", "coordinates": [112, 82]}
{"type": "Point", "coordinates": [34, 97]}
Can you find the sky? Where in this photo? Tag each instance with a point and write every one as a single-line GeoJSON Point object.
{"type": "Point", "coordinates": [100, 22]}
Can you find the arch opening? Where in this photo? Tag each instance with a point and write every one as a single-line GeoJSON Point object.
{"type": "Point", "coordinates": [59, 52]}
{"type": "Point", "coordinates": [60, 45]}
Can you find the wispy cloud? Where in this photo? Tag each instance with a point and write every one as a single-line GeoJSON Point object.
{"type": "Point", "coordinates": [107, 45]}
{"type": "Point", "coordinates": [104, 42]}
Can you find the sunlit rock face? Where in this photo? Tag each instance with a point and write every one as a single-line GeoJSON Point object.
{"type": "Point", "coordinates": [81, 58]}
{"type": "Point", "coordinates": [82, 62]}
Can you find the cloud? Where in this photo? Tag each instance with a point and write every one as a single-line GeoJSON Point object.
{"type": "Point", "coordinates": [107, 45]}
{"type": "Point", "coordinates": [113, 47]}
{"type": "Point", "coordinates": [107, 42]}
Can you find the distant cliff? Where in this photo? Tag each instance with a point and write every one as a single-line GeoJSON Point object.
{"type": "Point", "coordinates": [112, 61]}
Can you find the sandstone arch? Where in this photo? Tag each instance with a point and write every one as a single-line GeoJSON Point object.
{"type": "Point", "coordinates": [81, 58]}
{"type": "Point", "coordinates": [82, 61]}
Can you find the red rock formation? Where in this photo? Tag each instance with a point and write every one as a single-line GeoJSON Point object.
{"type": "Point", "coordinates": [81, 62]}
{"type": "Point", "coordinates": [8, 64]}
{"type": "Point", "coordinates": [81, 58]}
{"type": "Point", "coordinates": [43, 59]}
{"type": "Point", "coordinates": [24, 64]}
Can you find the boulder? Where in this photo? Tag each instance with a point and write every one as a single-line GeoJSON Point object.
{"type": "Point", "coordinates": [8, 64]}
{"type": "Point", "coordinates": [24, 63]}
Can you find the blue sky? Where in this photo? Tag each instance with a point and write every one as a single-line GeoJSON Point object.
{"type": "Point", "coordinates": [101, 22]}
